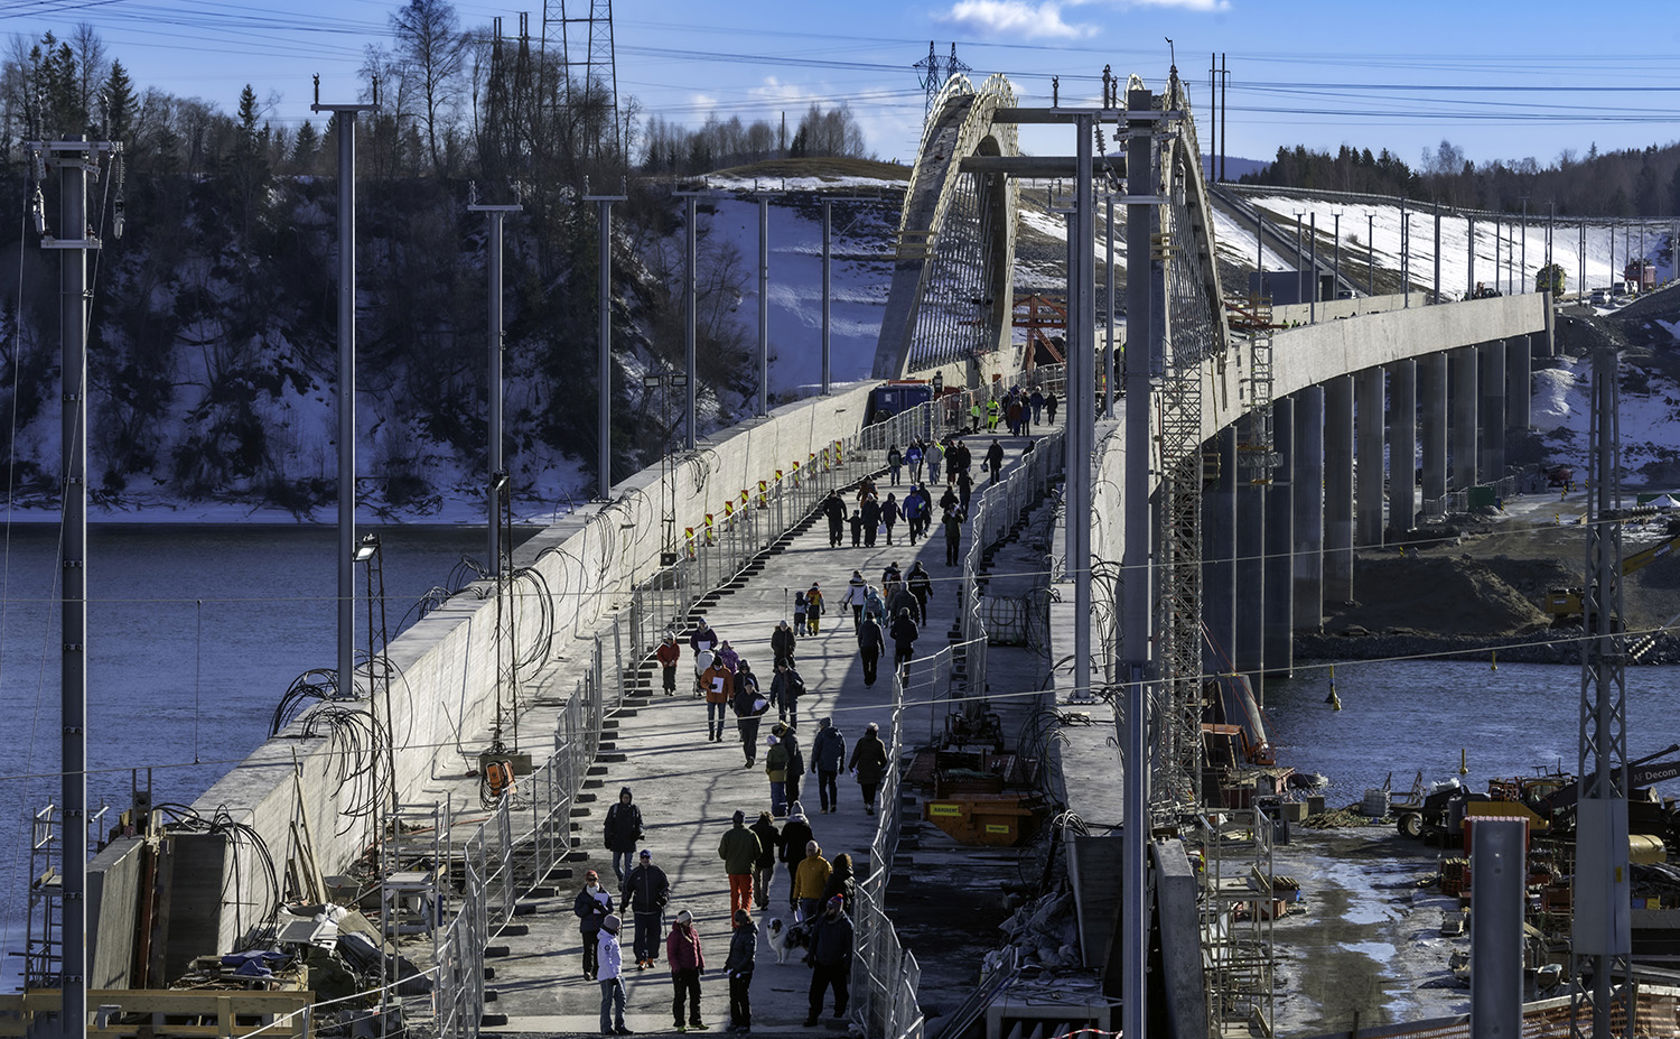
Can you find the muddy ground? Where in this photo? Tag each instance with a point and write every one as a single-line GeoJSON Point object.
{"type": "Point", "coordinates": [1363, 947]}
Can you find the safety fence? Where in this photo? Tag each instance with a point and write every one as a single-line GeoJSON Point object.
{"type": "Point", "coordinates": [885, 974]}
{"type": "Point", "coordinates": [952, 413]}
{"type": "Point", "coordinates": [1458, 502]}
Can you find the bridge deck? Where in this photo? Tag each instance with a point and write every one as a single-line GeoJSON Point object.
{"type": "Point", "coordinates": [688, 789]}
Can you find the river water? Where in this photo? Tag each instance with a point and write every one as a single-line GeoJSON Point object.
{"type": "Point", "coordinates": [1403, 716]}
{"type": "Point", "coordinates": [195, 632]}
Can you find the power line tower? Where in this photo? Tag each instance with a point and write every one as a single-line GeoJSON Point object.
{"type": "Point", "coordinates": [934, 72]}
{"type": "Point", "coordinates": [588, 65]}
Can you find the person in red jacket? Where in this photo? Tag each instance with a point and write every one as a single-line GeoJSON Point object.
{"type": "Point", "coordinates": [682, 952]}
{"type": "Point", "coordinates": [668, 654]}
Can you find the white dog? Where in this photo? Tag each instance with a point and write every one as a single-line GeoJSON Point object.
{"type": "Point", "coordinates": [784, 938]}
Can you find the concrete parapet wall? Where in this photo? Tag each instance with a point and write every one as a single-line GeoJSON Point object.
{"type": "Point", "coordinates": [1315, 353]}
{"type": "Point", "coordinates": [443, 698]}
{"type": "Point", "coordinates": [1336, 309]}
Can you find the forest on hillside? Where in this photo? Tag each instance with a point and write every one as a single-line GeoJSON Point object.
{"type": "Point", "coordinates": [1637, 182]}
{"type": "Point", "coordinates": [213, 338]}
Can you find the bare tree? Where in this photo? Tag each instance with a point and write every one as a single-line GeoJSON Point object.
{"type": "Point", "coordinates": [91, 66]}
{"type": "Point", "coordinates": [434, 49]}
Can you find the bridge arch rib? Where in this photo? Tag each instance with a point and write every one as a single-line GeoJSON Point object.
{"type": "Point", "coordinates": [953, 270]}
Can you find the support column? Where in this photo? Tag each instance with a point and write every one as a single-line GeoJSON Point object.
{"type": "Point", "coordinates": [1432, 394]}
{"type": "Point", "coordinates": [1491, 400]}
{"type": "Point", "coordinates": [1368, 443]}
{"type": "Point", "coordinates": [1519, 391]}
{"type": "Point", "coordinates": [1307, 460]}
{"type": "Point", "coordinates": [1219, 555]}
{"type": "Point", "coordinates": [1278, 593]}
{"type": "Point", "coordinates": [1402, 447]}
{"type": "Point", "coordinates": [1338, 489]}
{"type": "Point", "coordinates": [1463, 390]}
{"type": "Point", "coordinates": [1251, 575]}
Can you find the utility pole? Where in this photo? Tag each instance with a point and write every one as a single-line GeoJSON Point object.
{"type": "Point", "coordinates": [1371, 250]}
{"type": "Point", "coordinates": [691, 325]}
{"type": "Point", "coordinates": [1108, 296]}
{"type": "Point", "coordinates": [1139, 672]}
{"type": "Point", "coordinates": [1336, 254]}
{"type": "Point", "coordinates": [603, 415]}
{"type": "Point", "coordinates": [1523, 268]}
{"type": "Point", "coordinates": [827, 271]}
{"type": "Point", "coordinates": [1438, 252]}
{"type": "Point", "coordinates": [493, 381]}
{"type": "Point", "coordinates": [764, 302]}
{"type": "Point", "coordinates": [1312, 297]}
{"type": "Point", "coordinates": [73, 158]}
{"type": "Point", "coordinates": [1405, 253]}
{"type": "Point", "coordinates": [1224, 110]}
{"type": "Point", "coordinates": [345, 115]}
{"type": "Point", "coordinates": [1300, 261]}
{"type": "Point", "coordinates": [1601, 931]}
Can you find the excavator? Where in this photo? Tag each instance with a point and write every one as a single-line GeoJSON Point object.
{"type": "Point", "coordinates": [1564, 604]}
{"type": "Point", "coordinates": [1547, 801]}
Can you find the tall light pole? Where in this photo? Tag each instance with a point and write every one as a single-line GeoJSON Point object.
{"type": "Point", "coordinates": [603, 414]}
{"type": "Point", "coordinates": [344, 116]}
{"type": "Point", "coordinates": [1371, 250]}
{"type": "Point", "coordinates": [1336, 254]}
{"type": "Point", "coordinates": [493, 381]}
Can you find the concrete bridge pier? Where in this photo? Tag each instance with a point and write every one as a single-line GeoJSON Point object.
{"type": "Point", "coordinates": [1432, 394]}
{"type": "Point", "coordinates": [1338, 489]}
{"type": "Point", "coordinates": [1219, 555]}
{"type": "Point", "coordinates": [1402, 447]}
{"type": "Point", "coordinates": [1519, 385]}
{"type": "Point", "coordinates": [1492, 404]}
{"type": "Point", "coordinates": [1279, 591]}
{"type": "Point", "coordinates": [1368, 391]}
{"type": "Point", "coordinates": [1463, 389]}
{"type": "Point", "coordinates": [1249, 653]}
{"type": "Point", "coordinates": [1306, 459]}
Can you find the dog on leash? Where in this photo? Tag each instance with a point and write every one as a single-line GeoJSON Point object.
{"type": "Point", "coordinates": [785, 938]}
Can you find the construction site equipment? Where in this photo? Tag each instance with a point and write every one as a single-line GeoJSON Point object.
{"type": "Point", "coordinates": [1564, 604]}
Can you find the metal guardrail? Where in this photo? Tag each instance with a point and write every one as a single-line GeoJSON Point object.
{"type": "Point", "coordinates": [1459, 501]}
{"type": "Point", "coordinates": [885, 975]}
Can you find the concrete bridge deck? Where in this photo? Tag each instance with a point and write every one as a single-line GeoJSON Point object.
{"type": "Point", "coordinates": [688, 790]}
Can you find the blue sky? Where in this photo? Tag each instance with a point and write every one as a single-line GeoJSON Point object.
{"type": "Point", "coordinates": [1485, 74]}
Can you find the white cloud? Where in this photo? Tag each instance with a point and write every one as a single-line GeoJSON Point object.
{"type": "Point", "coordinates": [775, 91]}
{"type": "Point", "coordinates": [1018, 18]}
{"type": "Point", "coordinates": [1187, 5]}
{"type": "Point", "coordinates": [703, 103]}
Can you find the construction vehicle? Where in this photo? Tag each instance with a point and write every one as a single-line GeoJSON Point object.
{"type": "Point", "coordinates": [1564, 604]}
{"type": "Point", "coordinates": [1547, 800]}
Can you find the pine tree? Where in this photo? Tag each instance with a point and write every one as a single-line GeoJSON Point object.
{"type": "Point", "coordinates": [120, 104]}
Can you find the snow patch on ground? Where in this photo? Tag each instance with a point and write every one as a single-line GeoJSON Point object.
{"type": "Point", "coordinates": [1562, 412]}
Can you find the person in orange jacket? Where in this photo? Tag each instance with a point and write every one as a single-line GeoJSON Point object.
{"type": "Point", "coordinates": [719, 684]}
{"type": "Point", "coordinates": [668, 654]}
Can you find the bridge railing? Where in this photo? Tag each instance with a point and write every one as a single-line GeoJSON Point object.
{"type": "Point", "coordinates": [950, 413]}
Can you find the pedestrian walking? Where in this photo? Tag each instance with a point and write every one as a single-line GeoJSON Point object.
{"type": "Point", "coordinates": [920, 583]}
{"type": "Point", "coordinates": [953, 536]}
{"type": "Point", "coordinates": [743, 950]}
{"type": "Point", "coordinates": [798, 614]}
{"type": "Point", "coordinates": [749, 706]}
{"type": "Point", "coordinates": [739, 850]}
{"type": "Point", "coordinates": [950, 500]}
{"type": "Point", "coordinates": [610, 977]}
{"type": "Point", "coordinates": [870, 644]}
{"type": "Point", "coordinates": [796, 833]}
{"type": "Point", "coordinates": [869, 764]}
{"type": "Point", "coordinates": [895, 460]}
{"type": "Point", "coordinates": [591, 906]}
{"type": "Point", "coordinates": [1050, 407]}
{"type": "Point", "coordinates": [965, 491]}
{"type": "Point", "coordinates": [785, 690]}
{"type": "Point", "coordinates": [828, 757]}
{"type": "Point", "coordinates": [857, 590]}
{"type": "Point", "coordinates": [1037, 402]}
{"type": "Point", "coordinates": [835, 509]}
{"type": "Point", "coordinates": [857, 528]}
{"type": "Point", "coordinates": [719, 685]}
{"type": "Point", "coordinates": [813, 608]}
{"type": "Point", "coordinates": [904, 633]}
{"type": "Point", "coordinates": [842, 882]}
{"type": "Point", "coordinates": [648, 890]}
{"type": "Point", "coordinates": [789, 735]}
{"type": "Point", "coordinates": [687, 961]}
{"type": "Point", "coordinates": [1012, 415]}
{"type": "Point", "coordinates": [961, 458]}
{"type": "Point", "coordinates": [809, 880]}
{"type": "Point", "coordinates": [994, 410]}
{"type": "Point", "coordinates": [668, 654]}
{"type": "Point", "coordinates": [623, 827]}
{"type": "Point", "coordinates": [776, 771]}
{"type": "Point", "coordinates": [871, 521]}
{"type": "Point", "coordinates": [890, 512]}
{"type": "Point", "coordinates": [914, 455]}
{"type": "Point", "coordinates": [704, 639]}
{"type": "Point", "coordinates": [875, 607]}
{"type": "Point", "coordinates": [831, 960]}
{"type": "Point", "coordinates": [764, 867]}
{"type": "Point", "coordinates": [782, 643]}
{"type": "Point", "coordinates": [976, 415]}
{"type": "Point", "coordinates": [935, 458]}
{"type": "Point", "coordinates": [994, 459]}
{"type": "Point", "coordinates": [915, 512]}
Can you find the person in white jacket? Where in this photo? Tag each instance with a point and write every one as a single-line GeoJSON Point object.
{"type": "Point", "coordinates": [610, 974]}
{"type": "Point", "coordinates": [857, 593]}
